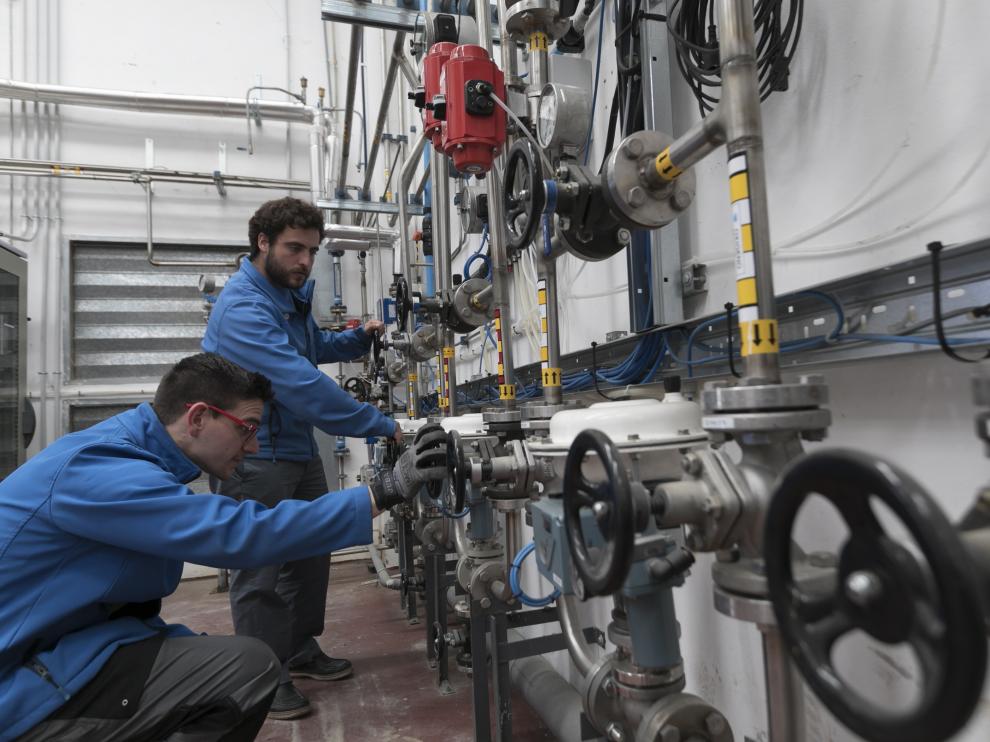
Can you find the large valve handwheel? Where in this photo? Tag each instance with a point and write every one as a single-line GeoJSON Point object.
{"type": "Point", "coordinates": [457, 470]}
{"type": "Point", "coordinates": [403, 302]}
{"type": "Point", "coordinates": [376, 350]}
{"type": "Point", "coordinates": [523, 196]}
{"type": "Point", "coordinates": [602, 569]}
{"type": "Point", "coordinates": [930, 602]}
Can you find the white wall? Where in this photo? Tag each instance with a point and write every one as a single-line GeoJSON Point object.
{"type": "Point", "coordinates": [879, 147]}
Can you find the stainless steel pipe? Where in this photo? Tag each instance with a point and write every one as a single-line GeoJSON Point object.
{"type": "Point", "coordinates": [376, 140]}
{"type": "Point", "coordinates": [190, 105]}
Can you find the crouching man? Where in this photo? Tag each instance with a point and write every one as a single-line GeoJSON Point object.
{"type": "Point", "coordinates": [93, 534]}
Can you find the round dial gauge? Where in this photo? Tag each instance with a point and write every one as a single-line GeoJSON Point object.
{"type": "Point", "coordinates": [547, 114]}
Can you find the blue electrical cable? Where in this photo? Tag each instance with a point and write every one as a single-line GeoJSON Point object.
{"type": "Point", "coordinates": [517, 590]}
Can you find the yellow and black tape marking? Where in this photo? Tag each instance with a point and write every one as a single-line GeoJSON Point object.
{"type": "Point", "coordinates": [552, 377]}
{"type": "Point", "coordinates": [742, 229]}
{"type": "Point", "coordinates": [665, 168]}
{"type": "Point", "coordinates": [448, 352]}
{"type": "Point", "coordinates": [506, 391]}
{"type": "Point", "coordinates": [759, 337]}
{"type": "Point", "coordinates": [538, 42]}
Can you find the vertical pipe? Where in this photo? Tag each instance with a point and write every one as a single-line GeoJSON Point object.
{"type": "Point", "coordinates": [550, 325]}
{"type": "Point", "coordinates": [353, 63]}
{"type": "Point", "coordinates": [444, 287]}
{"type": "Point", "coordinates": [316, 177]}
{"type": "Point", "coordinates": [747, 170]}
{"type": "Point", "coordinates": [376, 140]}
{"type": "Point", "coordinates": [496, 224]}
{"type": "Point", "coordinates": [513, 537]}
{"type": "Point", "coordinates": [405, 178]}
{"type": "Point", "coordinates": [785, 699]}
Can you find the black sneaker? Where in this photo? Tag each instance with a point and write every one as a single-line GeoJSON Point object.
{"type": "Point", "coordinates": [322, 668]}
{"type": "Point", "coordinates": [289, 703]}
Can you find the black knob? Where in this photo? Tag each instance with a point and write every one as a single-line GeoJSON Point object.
{"type": "Point", "coordinates": [672, 384]}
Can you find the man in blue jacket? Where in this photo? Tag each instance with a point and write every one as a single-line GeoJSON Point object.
{"type": "Point", "coordinates": [263, 321]}
{"type": "Point", "coordinates": [93, 533]}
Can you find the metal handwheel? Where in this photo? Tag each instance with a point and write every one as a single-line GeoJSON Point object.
{"type": "Point", "coordinates": [456, 470]}
{"type": "Point", "coordinates": [931, 602]}
{"type": "Point", "coordinates": [403, 301]}
{"type": "Point", "coordinates": [602, 570]}
{"type": "Point", "coordinates": [523, 196]}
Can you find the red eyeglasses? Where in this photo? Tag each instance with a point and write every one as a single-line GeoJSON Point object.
{"type": "Point", "coordinates": [247, 430]}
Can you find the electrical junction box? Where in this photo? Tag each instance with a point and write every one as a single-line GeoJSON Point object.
{"type": "Point", "coordinates": [553, 552]}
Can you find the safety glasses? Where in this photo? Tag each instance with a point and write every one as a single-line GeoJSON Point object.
{"type": "Point", "coordinates": [246, 429]}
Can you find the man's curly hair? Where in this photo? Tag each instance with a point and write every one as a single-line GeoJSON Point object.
{"type": "Point", "coordinates": [273, 217]}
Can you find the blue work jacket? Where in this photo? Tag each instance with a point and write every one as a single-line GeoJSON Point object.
{"type": "Point", "coordinates": [103, 517]}
{"type": "Point", "coordinates": [271, 330]}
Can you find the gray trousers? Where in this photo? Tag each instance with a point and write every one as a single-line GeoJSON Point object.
{"type": "Point", "coordinates": [282, 604]}
{"type": "Point", "coordinates": [199, 689]}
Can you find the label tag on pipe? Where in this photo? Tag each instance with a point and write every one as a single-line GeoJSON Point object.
{"type": "Point", "coordinates": [506, 391]}
{"type": "Point", "coordinates": [448, 352]}
{"type": "Point", "coordinates": [551, 377]}
{"type": "Point", "coordinates": [759, 337]}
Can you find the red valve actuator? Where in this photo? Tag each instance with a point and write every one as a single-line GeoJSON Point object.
{"type": "Point", "coordinates": [433, 64]}
{"type": "Point", "coordinates": [474, 126]}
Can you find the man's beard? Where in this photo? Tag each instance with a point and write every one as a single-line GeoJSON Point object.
{"type": "Point", "coordinates": [277, 274]}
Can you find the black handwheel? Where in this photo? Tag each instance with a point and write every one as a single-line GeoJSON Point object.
{"type": "Point", "coordinates": [883, 589]}
{"type": "Point", "coordinates": [522, 194]}
{"type": "Point", "coordinates": [456, 470]}
{"type": "Point", "coordinates": [376, 349]}
{"type": "Point", "coordinates": [403, 302]}
{"type": "Point", "coordinates": [601, 570]}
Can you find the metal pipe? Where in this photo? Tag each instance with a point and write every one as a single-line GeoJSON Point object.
{"type": "Point", "coordinates": [553, 699]}
{"type": "Point", "coordinates": [384, 578]}
{"type": "Point", "coordinates": [577, 647]}
{"type": "Point", "coordinates": [185, 263]}
{"type": "Point", "coordinates": [513, 537]}
{"type": "Point", "coordinates": [393, 67]}
{"type": "Point", "coordinates": [553, 394]}
{"type": "Point", "coordinates": [316, 176]}
{"type": "Point", "coordinates": [496, 213]}
{"type": "Point", "coordinates": [460, 536]}
{"type": "Point", "coordinates": [785, 697]}
{"type": "Point", "coordinates": [442, 271]}
{"type": "Point", "coordinates": [129, 174]}
{"type": "Point", "coordinates": [402, 196]}
{"type": "Point", "coordinates": [744, 135]}
{"type": "Point", "coordinates": [699, 141]}
{"type": "Point", "coordinates": [357, 37]}
{"type": "Point", "coordinates": [421, 186]}
{"type": "Point", "coordinates": [362, 260]}
{"type": "Point", "coordinates": [408, 71]}
{"type": "Point", "coordinates": [191, 105]}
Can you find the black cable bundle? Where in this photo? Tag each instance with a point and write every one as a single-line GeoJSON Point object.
{"type": "Point", "coordinates": [692, 25]}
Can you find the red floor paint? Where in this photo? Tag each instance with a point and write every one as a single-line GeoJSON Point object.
{"type": "Point", "coordinates": [391, 697]}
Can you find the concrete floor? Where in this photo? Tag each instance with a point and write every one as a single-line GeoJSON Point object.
{"type": "Point", "coordinates": [392, 695]}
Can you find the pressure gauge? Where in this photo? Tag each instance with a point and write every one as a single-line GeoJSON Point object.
{"type": "Point", "coordinates": [564, 114]}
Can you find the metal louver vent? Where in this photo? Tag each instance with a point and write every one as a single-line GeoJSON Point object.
{"type": "Point", "coordinates": [131, 320]}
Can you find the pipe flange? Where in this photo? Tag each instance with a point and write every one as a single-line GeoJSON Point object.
{"type": "Point", "coordinates": [688, 715]}
{"type": "Point", "coordinates": [465, 565]}
{"type": "Point", "coordinates": [632, 199]}
{"type": "Point", "coordinates": [810, 391]}
{"type": "Point", "coordinates": [501, 416]}
{"type": "Point", "coordinates": [600, 694]}
{"type": "Point", "coordinates": [592, 245]}
{"type": "Point", "coordinates": [424, 344]}
{"type": "Point", "coordinates": [535, 16]}
{"type": "Point", "coordinates": [434, 535]}
{"type": "Point", "coordinates": [642, 679]}
{"type": "Point", "coordinates": [483, 577]}
{"type": "Point", "coordinates": [471, 310]}
{"type": "Point", "coordinates": [803, 421]}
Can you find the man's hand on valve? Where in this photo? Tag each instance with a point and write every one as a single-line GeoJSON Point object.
{"type": "Point", "coordinates": [424, 461]}
{"type": "Point", "coordinates": [374, 327]}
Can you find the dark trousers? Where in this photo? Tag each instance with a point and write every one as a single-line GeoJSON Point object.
{"type": "Point", "coordinates": [281, 604]}
{"type": "Point", "coordinates": [187, 689]}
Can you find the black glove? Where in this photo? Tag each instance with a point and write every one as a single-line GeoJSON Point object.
{"type": "Point", "coordinates": [424, 461]}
